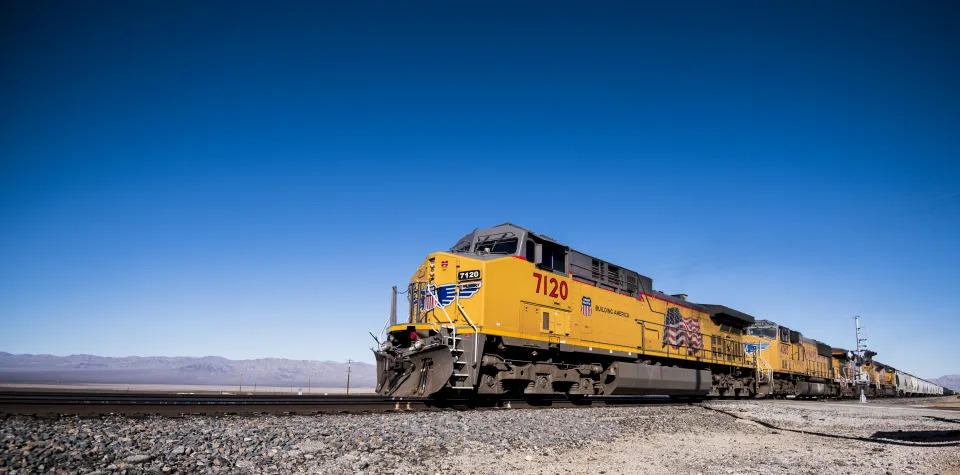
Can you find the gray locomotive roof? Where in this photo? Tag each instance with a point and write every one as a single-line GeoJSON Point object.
{"type": "Point", "coordinates": [722, 312]}
{"type": "Point", "coordinates": [518, 230]}
{"type": "Point", "coordinates": [839, 353]}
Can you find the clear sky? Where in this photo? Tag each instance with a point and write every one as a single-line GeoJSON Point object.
{"type": "Point", "coordinates": [249, 179]}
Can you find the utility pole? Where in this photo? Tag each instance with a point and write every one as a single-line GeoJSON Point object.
{"type": "Point", "coordinates": [860, 347]}
{"type": "Point", "coordinates": [348, 376]}
{"type": "Point", "coordinates": [241, 382]}
{"type": "Point", "coordinates": [308, 383]}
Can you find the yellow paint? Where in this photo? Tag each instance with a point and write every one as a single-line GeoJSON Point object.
{"type": "Point", "coordinates": [509, 304]}
{"type": "Point", "coordinates": [794, 358]}
{"type": "Point", "coordinates": [843, 372]}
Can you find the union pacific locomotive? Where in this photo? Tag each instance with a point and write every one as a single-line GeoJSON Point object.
{"type": "Point", "coordinates": [509, 312]}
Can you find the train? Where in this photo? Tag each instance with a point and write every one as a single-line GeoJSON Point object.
{"type": "Point", "coordinates": [507, 312]}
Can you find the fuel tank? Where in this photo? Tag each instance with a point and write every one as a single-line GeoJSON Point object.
{"type": "Point", "coordinates": [640, 379]}
{"type": "Point", "coordinates": [814, 389]}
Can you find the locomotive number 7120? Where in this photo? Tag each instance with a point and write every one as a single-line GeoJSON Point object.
{"type": "Point", "coordinates": [556, 287]}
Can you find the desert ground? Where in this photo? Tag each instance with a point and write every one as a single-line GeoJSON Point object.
{"type": "Point", "coordinates": [715, 437]}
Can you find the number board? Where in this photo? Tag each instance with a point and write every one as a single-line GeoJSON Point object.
{"type": "Point", "coordinates": [468, 275]}
{"type": "Point", "coordinates": [558, 288]}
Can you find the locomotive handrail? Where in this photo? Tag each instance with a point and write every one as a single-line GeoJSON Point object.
{"type": "Point", "coordinates": [762, 371]}
{"type": "Point", "coordinates": [415, 313]}
{"type": "Point", "coordinates": [437, 300]}
{"type": "Point", "coordinates": [708, 355]}
{"type": "Point", "coordinates": [476, 333]}
{"type": "Point", "coordinates": [756, 368]}
{"type": "Point", "coordinates": [643, 340]}
{"type": "Point", "coordinates": [643, 336]}
{"type": "Point", "coordinates": [735, 355]}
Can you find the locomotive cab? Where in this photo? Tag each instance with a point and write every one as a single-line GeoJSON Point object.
{"type": "Point", "coordinates": [510, 240]}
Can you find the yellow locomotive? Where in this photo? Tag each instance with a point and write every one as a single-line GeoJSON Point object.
{"type": "Point", "coordinates": [507, 311]}
{"type": "Point", "coordinates": [789, 363]}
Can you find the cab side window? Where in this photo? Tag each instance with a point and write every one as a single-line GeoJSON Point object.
{"type": "Point", "coordinates": [554, 258]}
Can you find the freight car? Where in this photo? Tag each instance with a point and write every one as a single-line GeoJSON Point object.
{"type": "Point", "coordinates": [510, 312]}
{"type": "Point", "coordinates": [908, 385]}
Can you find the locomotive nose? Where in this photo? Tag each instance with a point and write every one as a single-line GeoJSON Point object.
{"type": "Point", "coordinates": [415, 371]}
{"type": "Point", "coordinates": [417, 361]}
{"type": "Point", "coordinates": [432, 289]}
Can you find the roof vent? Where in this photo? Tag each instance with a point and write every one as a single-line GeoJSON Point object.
{"type": "Point", "coordinates": [680, 296]}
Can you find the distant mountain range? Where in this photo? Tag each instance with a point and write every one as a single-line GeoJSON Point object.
{"type": "Point", "coordinates": [951, 381]}
{"type": "Point", "coordinates": [207, 370]}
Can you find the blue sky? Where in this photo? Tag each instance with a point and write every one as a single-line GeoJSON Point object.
{"type": "Point", "coordinates": [247, 180]}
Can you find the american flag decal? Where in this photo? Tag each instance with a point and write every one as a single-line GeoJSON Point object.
{"type": "Point", "coordinates": [681, 332]}
{"type": "Point", "coordinates": [446, 294]}
{"type": "Point", "coordinates": [586, 306]}
{"type": "Point", "coordinates": [429, 303]}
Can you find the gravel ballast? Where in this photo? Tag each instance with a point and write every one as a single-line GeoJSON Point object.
{"type": "Point", "coordinates": [714, 437]}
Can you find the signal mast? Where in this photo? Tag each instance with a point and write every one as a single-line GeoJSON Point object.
{"type": "Point", "coordinates": [861, 348]}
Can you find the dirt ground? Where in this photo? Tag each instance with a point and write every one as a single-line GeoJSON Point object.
{"type": "Point", "coordinates": [905, 436]}
{"type": "Point", "coordinates": [762, 437]}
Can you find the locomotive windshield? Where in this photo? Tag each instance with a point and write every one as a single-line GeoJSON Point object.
{"type": "Point", "coordinates": [504, 243]}
{"type": "Point", "coordinates": [463, 245]}
{"type": "Point", "coordinates": [763, 332]}
{"type": "Point", "coordinates": [501, 243]}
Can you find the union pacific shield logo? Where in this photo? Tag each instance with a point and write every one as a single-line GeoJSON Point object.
{"type": "Point", "coordinates": [750, 348]}
{"type": "Point", "coordinates": [446, 294]}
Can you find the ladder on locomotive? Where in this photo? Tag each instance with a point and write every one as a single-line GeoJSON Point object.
{"type": "Point", "coordinates": [763, 369]}
{"type": "Point", "coordinates": [460, 376]}
{"type": "Point", "coordinates": [450, 338]}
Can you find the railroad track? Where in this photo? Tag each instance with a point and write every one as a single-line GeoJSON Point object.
{"type": "Point", "coordinates": [53, 404]}
{"type": "Point", "coordinates": [97, 403]}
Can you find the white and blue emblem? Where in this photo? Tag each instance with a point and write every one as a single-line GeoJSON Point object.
{"type": "Point", "coordinates": [750, 348]}
{"type": "Point", "coordinates": [446, 294]}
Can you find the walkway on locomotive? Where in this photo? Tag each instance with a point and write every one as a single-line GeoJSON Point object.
{"type": "Point", "coordinates": [513, 283]}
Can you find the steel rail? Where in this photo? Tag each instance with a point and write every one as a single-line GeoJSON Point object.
{"type": "Point", "coordinates": [47, 404]}
{"type": "Point", "coordinates": [92, 403]}
{"type": "Point", "coordinates": [134, 398]}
